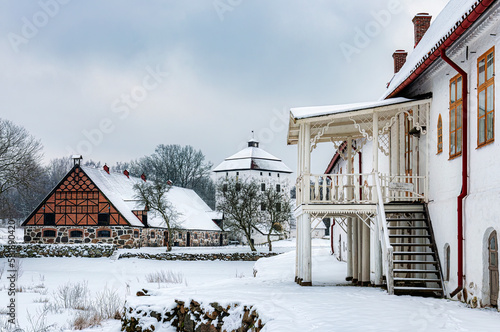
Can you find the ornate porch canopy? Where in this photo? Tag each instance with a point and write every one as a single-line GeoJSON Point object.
{"type": "Point", "coordinates": [337, 123]}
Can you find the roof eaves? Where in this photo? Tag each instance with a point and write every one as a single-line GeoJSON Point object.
{"type": "Point", "coordinates": [435, 52]}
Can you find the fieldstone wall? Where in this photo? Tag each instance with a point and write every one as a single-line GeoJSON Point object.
{"type": "Point", "coordinates": [192, 317]}
{"type": "Point", "coordinates": [56, 250]}
{"type": "Point", "coordinates": [122, 236]}
{"type": "Point", "coordinates": [199, 257]}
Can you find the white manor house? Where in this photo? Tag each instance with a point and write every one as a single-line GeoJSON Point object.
{"type": "Point", "coordinates": [414, 186]}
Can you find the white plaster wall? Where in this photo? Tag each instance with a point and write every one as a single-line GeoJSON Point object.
{"type": "Point", "coordinates": [482, 206]}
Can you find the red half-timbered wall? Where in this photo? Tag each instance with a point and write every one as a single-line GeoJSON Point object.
{"type": "Point", "coordinates": [76, 202]}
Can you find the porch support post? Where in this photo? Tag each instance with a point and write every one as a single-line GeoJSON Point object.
{"type": "Point", "coordinates": [354, 223]}
{"type": "Point", "coordinates": [377, 256]}
{"type": "Point", "coordinates": [375, 142]}
{"type": "Point", "coordinates": [306, 260]}
{"type": "Point", "coordinates": [300, 194]}
{"type": "Point", "coordinates": [365, 272]}
{"type": "Point", "coordinates": [349, 250]}
{"type": "Point", "coordinates": [360, 250]}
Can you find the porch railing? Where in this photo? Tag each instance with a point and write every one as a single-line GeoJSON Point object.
{"type": "Point", "coordinates": [359, 188]}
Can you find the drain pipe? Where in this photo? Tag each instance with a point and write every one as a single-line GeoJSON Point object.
{"type": "Point", "coordinates": [464, 192]}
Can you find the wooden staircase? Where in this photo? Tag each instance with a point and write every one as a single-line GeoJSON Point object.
{"type": "Point", "coordinates": [416, 267]}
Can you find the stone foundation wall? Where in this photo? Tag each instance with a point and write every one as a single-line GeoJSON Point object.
{"type": "Point", "coordinates": [192, 317]}
{"type": "Point", "coordinates": [56, 250]}
{"type": "Point", "coordinates": [122, 236]}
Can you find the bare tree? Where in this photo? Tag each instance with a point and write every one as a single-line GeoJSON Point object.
{"type": "Point", "coordinates": [57, 169]}
{"type": "Point", "coordinates": [184, 166]}
{"type": "Point", "coordinates": [19, 154]}
{"type": "Point", "coordinates": [153, 194]}
{"type": "Point", "coordinates": [239, 201]}
{"type": "Point", "coordinates": [276, 210]}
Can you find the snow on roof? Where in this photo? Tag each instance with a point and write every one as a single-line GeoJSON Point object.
{"type": "Point", "coordinates": [252, 158]}
{"type": "Point", "coordinates": [314, 111]}
{"type": "Point", "coordinates": [193, 212]}
{"type": "Point", "coordinates": [444, 24]}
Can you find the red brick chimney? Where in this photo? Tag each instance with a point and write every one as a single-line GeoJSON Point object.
{"type": "Point", "coordinates": [126, 173]}
{"type": "Point", "coordinates": [106, 168]}
{"type": "Point", "coordinates": [143, 177]}
{"type": "Point", "coordinates": [421, 23]}
{"type": "Point", "coordinates": [399, 59]}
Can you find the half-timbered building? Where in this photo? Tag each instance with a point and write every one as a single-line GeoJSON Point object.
{"type": "Point", "coordinates": [92, 205]}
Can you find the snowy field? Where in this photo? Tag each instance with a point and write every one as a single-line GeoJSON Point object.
{"type": "Point", "coordinates": [283, 305]}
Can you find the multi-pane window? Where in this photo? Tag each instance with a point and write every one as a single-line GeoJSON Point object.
{"type": "Point", "coordinates": [456, 116]}
{"type": "Point", "coordinates": [440, 135]}
{"type": "Point", "coordinates": [263, 187]}
{"type": "Point", "coordinates": [486, 98]}
{"type": "Point", "coordinates": [278, 187]}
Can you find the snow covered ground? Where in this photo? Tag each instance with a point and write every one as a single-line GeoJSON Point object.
{"type": "Point", "coordinates": [283, 305]}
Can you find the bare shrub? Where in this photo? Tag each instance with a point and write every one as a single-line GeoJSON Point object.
{"type": "Point", "coordinates": [165, 276]}
{"type": "Point", "coordinates": [85, 319]}
{"type": "Point", "coordinates": [38, 322]}
{"type": "Point", "coordinates": [73, 296]}
{"type": "Point", "coordinates": [108, 303]}
{"type": "Point", "coordinates": [240, 275]}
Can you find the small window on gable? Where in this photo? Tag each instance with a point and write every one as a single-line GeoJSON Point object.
{"type": "Point", "coordinates": [260, 173]}
{"type": "Point", "coordinates": [49, 233]}
{"type": "Point", "coordinates": [269, 173]}
{"type": "Point", "coordinates": [49, 219]}
{"type": "Point", "coordinates": [76, 234]}
{"type": "Point", "coordinates": [440, 135]}
{"type": "Point", "coordinates": [278, 174]}
{"type": "Point", "coordinates": [104, 233]}
{"type": "Point", "coordinates": [103, 219]}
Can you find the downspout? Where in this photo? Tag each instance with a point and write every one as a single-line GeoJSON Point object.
{"type": "Point", "coordinates": [464, 192]}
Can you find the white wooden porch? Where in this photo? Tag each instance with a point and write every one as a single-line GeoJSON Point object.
{"type": "Point", "coordinates": [358, 197]}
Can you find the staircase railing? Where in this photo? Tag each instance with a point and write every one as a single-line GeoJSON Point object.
{"type": "Point", "coordinates": [387, 249]}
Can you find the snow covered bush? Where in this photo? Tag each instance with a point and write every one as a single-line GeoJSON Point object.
{"type": "Point", "coordinates": [165, 276]}
{"type": "Point", "coordinates": [73, 296]}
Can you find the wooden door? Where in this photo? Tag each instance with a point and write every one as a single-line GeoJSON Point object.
{"type": "Point", "coordinates": [188, 239]}
{"type": "Point", "coordinates": [493, 268]}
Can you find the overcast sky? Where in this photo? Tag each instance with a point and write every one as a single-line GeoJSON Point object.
{"type": "Point", "coordinates": [113, 79]}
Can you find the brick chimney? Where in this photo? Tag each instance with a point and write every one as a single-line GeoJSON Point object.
{"type": "Point", "coordinates": [399, 59]}
{"type": "Point", "coordinates": [143, 177]}
{"type": "Point", "coordinates": [421, 23]}
{"type": "Point", "coordinates": [106, 168]}
{"type": "Point", "coordinates": [126, 173]}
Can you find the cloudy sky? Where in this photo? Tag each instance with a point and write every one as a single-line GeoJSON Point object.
{"type": "Point", "coordinates": [113, 79]}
